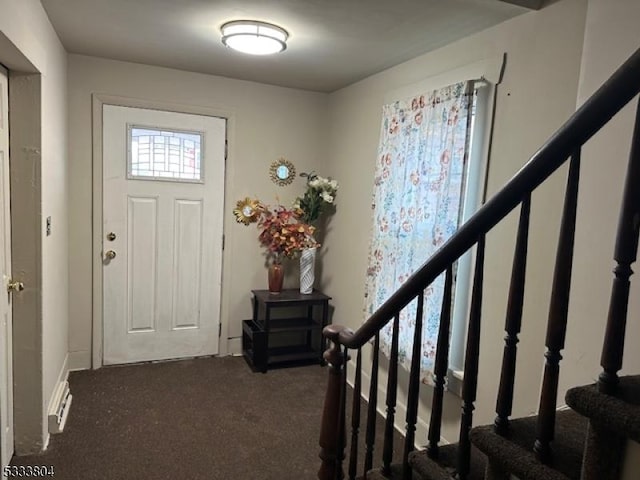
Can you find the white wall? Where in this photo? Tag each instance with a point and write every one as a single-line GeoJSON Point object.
{"type": "Point", "coordinates": [611, 35]}
{"type": "Point", "coordinates": [25, 24]}
{"type": "Point", "coordinates": [537, 95]}
{"type": "Point", "coordinates": [55, 260]}
{"type": "Point", "coordinates": [267, 122]}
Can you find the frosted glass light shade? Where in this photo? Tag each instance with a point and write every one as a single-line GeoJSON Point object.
{"type": "Point", "coordinates": [253, 37]}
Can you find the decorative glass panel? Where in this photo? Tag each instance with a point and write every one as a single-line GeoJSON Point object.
{"type": "Point", "coordinates": [157, 154]}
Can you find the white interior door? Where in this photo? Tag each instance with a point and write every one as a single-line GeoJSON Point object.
{"type": "Point", "coordinates": [6, 357]}
{"type": "Point", "coordinates": [163, 197]}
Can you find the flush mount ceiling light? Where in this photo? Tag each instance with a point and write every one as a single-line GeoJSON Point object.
{"type": "Point", "coordinates": [253, 37]}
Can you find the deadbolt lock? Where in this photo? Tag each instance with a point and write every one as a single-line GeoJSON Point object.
{"type": "Point", "coordinates": [111, 236]}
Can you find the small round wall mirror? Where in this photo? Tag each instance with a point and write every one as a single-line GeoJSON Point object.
{"type": "Point", "coordinates": [282, 172]}
{"type": "Point", "coordinates": [247, 211]}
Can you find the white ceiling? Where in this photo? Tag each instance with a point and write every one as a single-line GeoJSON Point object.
{"type": "Point", "coordinates": [332, 43]}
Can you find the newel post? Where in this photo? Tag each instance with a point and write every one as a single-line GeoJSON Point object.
{"type": "Point", "coordinates": [331, 445]}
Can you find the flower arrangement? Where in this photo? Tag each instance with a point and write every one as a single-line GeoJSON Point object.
{"type": "Point", "coordinates": [284, 231]}
{"type": "Point", "coordinates": [317, 199]}
{"type": "Point", "coordinates": [281, 230]}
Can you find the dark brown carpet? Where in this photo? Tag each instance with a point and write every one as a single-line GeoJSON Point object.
{"type": "Point", "coordinates": [208, 418]}
{"type": "Point", "coordinates": [514, 452]}
{"type": "Point", "coordinates": [619, 413]}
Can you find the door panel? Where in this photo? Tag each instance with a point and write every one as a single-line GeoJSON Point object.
{"type": "Point", "coordinates": [142, 216]}
{"type": "Point", "coordinates": [186, 263]}
{"type": "Point", "coordinates": [163, 181]}
{"type": "Point", "coordinates": [6, 333]}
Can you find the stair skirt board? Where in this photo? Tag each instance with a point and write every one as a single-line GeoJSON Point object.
{"type": "Point", "coordinates": [424, 468]}
{"type": "Point", "coordinates": [445, 467]}
{"type": "Point", "coordinates": [396, 474]}
{"type": "Point", "coordinates": [514, 452]}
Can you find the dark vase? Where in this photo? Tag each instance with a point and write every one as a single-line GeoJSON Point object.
{"type": "Point", "coordinates": [276, 275]}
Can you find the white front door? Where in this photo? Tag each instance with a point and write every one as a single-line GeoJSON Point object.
{"type": "Point", "coordinates": [163, 197]}
{"type": "Point", "coordinates": [6, 356]}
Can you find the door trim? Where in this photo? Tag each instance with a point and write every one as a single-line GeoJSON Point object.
{"type": "Point", "coordinates": [97, 102]}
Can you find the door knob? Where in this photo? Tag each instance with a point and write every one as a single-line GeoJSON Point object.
{"type": "Point", "coordinates": [110, 254]}
{"type": "Point", "coordinates": [15, 286]}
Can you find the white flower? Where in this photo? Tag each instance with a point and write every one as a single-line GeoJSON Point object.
{"type": "Point", "coordinates": [314, 183]}
{"type": "Point", "coordinates": [326, 197]}
{"type": "Point", "coordinates": [333, 184]}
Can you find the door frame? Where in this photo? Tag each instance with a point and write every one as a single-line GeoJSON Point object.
{"type": "Point", "coordinates": [98, 100]}
{"type": "Point", "coordinates": [30, 430]}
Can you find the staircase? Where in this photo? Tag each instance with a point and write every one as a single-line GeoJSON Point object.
{"type": "Point", "coordinates": [586, 442]}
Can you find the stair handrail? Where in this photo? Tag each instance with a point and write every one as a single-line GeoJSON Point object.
{"type": "Point", "coordinates": [607, 101]}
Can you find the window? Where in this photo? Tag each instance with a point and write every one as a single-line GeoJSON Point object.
{"type": "Point", "coordinates": [472, 200]}
{"type": "Point", "coordinates": [158, 154]}
{"type": "Point", "coordinates": [429, 178]}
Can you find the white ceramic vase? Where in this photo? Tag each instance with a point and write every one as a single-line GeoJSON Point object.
{"type": "Point", "coordinates": [307, 270]}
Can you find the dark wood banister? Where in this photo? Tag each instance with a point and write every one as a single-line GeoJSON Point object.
{"type": "Point", "coordinates": [614, 94]}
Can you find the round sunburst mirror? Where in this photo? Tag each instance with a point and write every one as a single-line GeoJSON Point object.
{"type": "Point", "coordinates": [247, 211]}
{"type": "Point", "coordinates": [282, 172]}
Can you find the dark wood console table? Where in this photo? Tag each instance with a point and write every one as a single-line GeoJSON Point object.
{"type": "Point", "coordinates": [299, 336]}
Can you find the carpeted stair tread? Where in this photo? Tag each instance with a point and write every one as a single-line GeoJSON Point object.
{"type": "Point", "coordinates": [396, 474]}
{"type": "Point", "coordinates": [514, 452]}
{"type": "Point", "coordinates": [619, 413]}
{"type": "Point", "coordinates": [445, 467]}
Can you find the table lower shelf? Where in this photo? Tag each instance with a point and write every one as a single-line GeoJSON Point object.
{"type": "Point", "coordinates": [294, 353]}
{"type": "Point", "coordinates": [260, 358]}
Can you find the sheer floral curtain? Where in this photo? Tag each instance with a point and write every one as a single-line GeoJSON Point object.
{"type": "Point", "coordinates": [417, 204]}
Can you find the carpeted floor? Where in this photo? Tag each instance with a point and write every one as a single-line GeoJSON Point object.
{"type": "Point", "coordinates": [208, 418]}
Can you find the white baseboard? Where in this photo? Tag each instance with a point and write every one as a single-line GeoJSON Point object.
{"type": "Point", "coordinates": [60, 401]}
{"type": "Point", "coordinates": [79, 360]}
{"type": "Point", "coordinates": [234, 346]}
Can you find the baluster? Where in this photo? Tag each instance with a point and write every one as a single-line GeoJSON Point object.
{"type": "Point", "coordinates": [441, 366]}
{"type": "Point", "coordinates": [330, 431]}
{"type": "Point", "coordinates": [370, 438]}
{"type": "Point", "coordinates": [392, 393]}
{"type": "Point", "coordinates": [342, 428]}
{"type": "Point", "coordinates": [471, 363]}
{"type": "Point", "coordinates": [626, 252]}
{"type": "Point", "coordinates": [414, 390]}
{"type": "Point", "coordinates": [513, 321]}
{"type": "Point", "coordinates": [355, 417]}
{"type": "Point", "coordinates": [558, 311]}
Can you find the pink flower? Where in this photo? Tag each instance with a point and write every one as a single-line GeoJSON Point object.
{"type": "Point", "coordinates": [394, 126]}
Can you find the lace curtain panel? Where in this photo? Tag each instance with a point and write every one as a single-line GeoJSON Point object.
{"type": "Point", "coordinates": [417, 203]}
